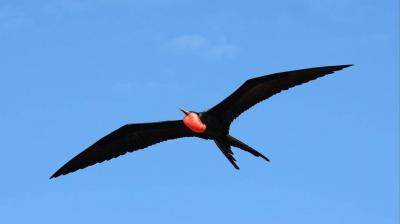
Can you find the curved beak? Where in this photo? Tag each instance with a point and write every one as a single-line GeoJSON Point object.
{"type": "Point", "coordinates": [184, 111]}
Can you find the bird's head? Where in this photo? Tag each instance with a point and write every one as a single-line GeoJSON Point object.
{"type": "Point", "coordinates": [192, 120]}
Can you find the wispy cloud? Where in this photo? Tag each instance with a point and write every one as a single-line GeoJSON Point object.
{"type": "Point", "coordinates": [198, 44]}
{"type": "Point", "coordinates": [188, 42]}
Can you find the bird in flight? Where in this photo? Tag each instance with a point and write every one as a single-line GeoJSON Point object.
{"type": "Point", "coordinates": [212, 124]}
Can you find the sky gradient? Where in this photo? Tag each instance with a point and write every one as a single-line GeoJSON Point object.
{"type": "Point", "coordinates": [72, 71]}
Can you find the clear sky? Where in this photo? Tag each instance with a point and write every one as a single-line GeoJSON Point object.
{"type": "Point", "coordinates": [71, 71]}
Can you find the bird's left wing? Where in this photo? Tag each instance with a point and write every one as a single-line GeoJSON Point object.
{"type": "Point", "coordinates": [258, 89]}
{"type": "Point", "coordinates": [128, 138]}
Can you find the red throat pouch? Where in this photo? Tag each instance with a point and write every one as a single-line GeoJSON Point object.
{"type": "Point", "coordinates": [192, 121]}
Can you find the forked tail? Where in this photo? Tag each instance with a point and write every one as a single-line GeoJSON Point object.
{"type": "Point", "coordinates": [224, 144]}
{"type": "Point", "coordinates": [225, 148]}
{"type": "Point", "coordinates": [238, 144]}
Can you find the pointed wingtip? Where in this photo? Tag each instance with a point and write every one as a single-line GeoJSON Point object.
{"type": "Point", "coordinates": [339, 67]}
{"type": "Point", "coordinates": [348, 65]}
{"type": "Point", "coordinates": [56, 174]}
{"type": "Point", "coordinates": [264, 157]}
{"type": "Point", "coordinates": [334, 68]}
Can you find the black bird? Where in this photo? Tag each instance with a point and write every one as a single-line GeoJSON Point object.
{"type": "Point", "coordinates": [212, 124]}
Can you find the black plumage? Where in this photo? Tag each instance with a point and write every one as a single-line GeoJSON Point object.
{"type": "Point", "coordinates": [216, 121]}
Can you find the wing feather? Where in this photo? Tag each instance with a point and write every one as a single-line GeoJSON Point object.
{"type": "Point", "coordinates": [258, 89]}
{"type": "Point", "coordinates": [128, 138]}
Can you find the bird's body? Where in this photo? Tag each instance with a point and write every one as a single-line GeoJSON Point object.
{"type": "Point", "coordinates": [212, 124]}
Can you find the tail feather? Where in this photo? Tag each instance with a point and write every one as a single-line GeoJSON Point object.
{"type": "Point", "coordinates": [238, 144]}
{"type": "Point", "coordinates": [225, 148]}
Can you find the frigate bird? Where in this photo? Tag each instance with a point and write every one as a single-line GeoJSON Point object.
{"type": "Point", "coordinates": [212, 124]}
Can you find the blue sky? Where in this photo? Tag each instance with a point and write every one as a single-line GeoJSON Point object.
{"type": "Point", "coordinates": [73, 70]}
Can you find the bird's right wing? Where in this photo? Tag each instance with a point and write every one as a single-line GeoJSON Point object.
{"type": "Point", "coordinates": [128, 138]}
{"type": "Point", "coordinates": [258, 89]}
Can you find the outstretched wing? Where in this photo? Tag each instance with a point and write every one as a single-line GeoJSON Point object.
{"type": "Point", "coordinates": [128, 138]}
{"type": "Point", "coordinates": [258, 89]}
